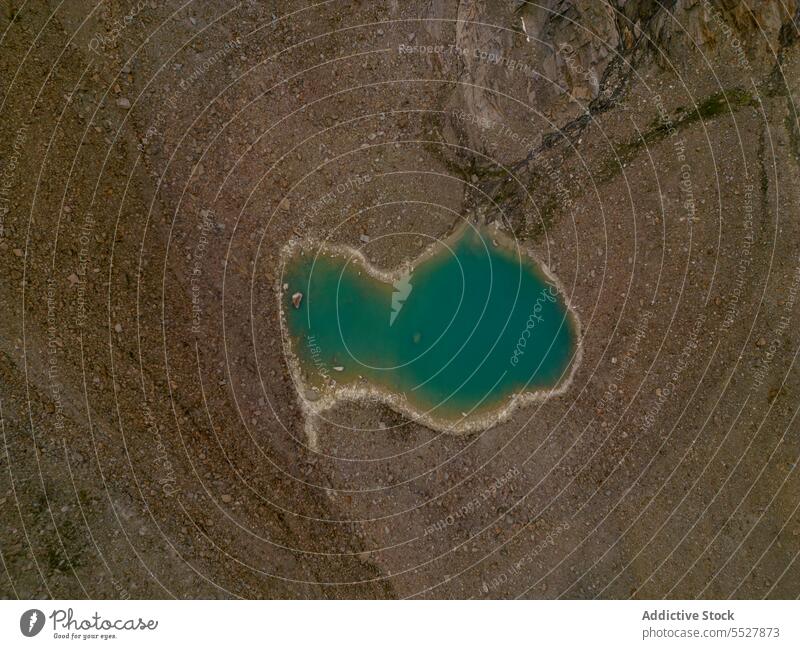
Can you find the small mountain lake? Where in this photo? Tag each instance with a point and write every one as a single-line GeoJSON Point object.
{"type": "Point", "coordinates": [452, 337]}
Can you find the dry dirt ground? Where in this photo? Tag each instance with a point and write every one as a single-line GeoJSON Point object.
{"type": "Point", "coordinates": [156, 156]}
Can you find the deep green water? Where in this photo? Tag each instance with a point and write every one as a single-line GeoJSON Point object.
{"type": "Point", "coordinates": [478, 324]}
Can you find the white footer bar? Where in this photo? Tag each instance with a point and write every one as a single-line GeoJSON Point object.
{"type": "Point", "coordinates": [408, 624]}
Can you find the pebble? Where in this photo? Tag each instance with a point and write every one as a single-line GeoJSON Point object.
{"type": "Point", "coordinates": [226, 498]}
{"type": "Point", "coordinates": [123, 102]}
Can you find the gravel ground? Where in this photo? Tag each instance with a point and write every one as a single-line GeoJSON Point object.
{"type": "Point", "coordinates": [156, 157]}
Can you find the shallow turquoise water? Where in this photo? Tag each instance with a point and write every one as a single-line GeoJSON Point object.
{"type": "Point", "coordinates": [466, 329]}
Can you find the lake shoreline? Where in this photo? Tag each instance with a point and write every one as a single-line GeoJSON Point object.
{"type": "Point", "coordinates": [315, 400]}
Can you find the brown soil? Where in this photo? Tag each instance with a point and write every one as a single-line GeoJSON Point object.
{"type": "Point", "coordinates": [155, 160]}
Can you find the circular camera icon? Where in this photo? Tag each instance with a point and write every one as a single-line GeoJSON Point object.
{"type": "Point", "coordinates": [31, 622]}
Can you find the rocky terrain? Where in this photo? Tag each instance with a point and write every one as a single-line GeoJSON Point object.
{"type": "Point", "coordinates": [156, 156]}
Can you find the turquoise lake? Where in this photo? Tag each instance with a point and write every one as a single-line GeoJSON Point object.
{"type": "Point", "coordinates": [469, 326]}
